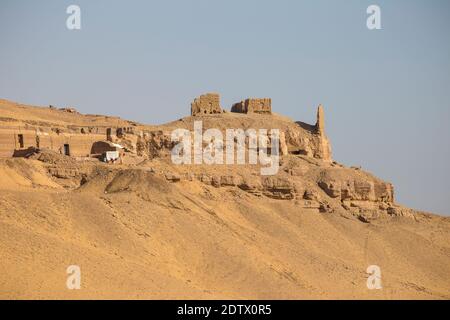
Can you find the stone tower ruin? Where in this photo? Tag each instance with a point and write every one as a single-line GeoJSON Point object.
{"type": "Point", "coordinates": [251, 105]}
{"type": "Point", "coordinates": [206, 104]}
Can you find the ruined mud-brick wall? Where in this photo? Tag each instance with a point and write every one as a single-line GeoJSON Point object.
{"type": "Point", "coordinates": [79, 140]}
{"type": "Point", "coordinates": [263, 105]}
{"type": "Point", "coordinates": [206, 104]}
{"type": "Point", "coordinates": [7, 143]}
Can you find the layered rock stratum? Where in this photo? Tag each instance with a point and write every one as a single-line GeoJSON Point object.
{"type": "Point", "coordinates": [147, 228]}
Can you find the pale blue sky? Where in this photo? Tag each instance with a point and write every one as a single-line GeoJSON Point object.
{"type": "Point", "coordinates": [386, 92]}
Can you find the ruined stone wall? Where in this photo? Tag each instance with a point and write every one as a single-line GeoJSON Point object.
{"type": "Point", "coordinates": [239, 107]}
{"type": "Point", "coordinates": [8, 142]}
{"type": "Point", "coordinates": [206, 104]}
{"type": "Point", "coordinates": [79, 144]}
{"type": "Point", "coordinates": [263, 105]}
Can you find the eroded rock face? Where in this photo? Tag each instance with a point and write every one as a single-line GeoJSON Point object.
{"type": "Point", "coordinates": [298, 143]}
{"type": "Point", "coordinates": [315, 186]}
{"type": "Point", "coordinates": [400, 211]}
{"type": "Point", "coordinates": [311, 194]}
{"type": "Point", "coordinates": [314, 143]}
{"type": "Point", "coordinates": [64, 172]}
{"type": "Point", "coordinates": [347, 185]}
{"type": "Point", "coordinates": [332, 188]}
{"type": "Point", "coordinates": [271, 187]}
{"type": "Point", "coordinates": [283, 145]}
{"type": "Point", "coordinates": [230, 181]}
{"type": "Point", "coordinates": [251, 185]}
{"type": "Point", "coordinates": [360, 193]}
{"type": "Point", "coordinates": [278, 188]}
{"type": "Point", "coordinates": [154, 144]}
{"type": "Point", "coordinates": [310, 199]}
{"type": "Point", "coordinates": [172, 177]}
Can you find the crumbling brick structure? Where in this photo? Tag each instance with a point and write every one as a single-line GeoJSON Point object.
{"type": "Point", "coordinates": [250, 105]}
{"type": "Point", "coordinates": [206, 104]}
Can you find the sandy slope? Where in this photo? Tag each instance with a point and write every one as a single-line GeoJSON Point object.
{"type": "Point", "coordinates": [135, 235]}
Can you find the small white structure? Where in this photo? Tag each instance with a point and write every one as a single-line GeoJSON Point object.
{"type": "Point", "coordinates": [111, 156]}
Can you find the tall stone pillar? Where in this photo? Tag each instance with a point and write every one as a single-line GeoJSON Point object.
{"type": "Point", "coordinates": [324, 144]}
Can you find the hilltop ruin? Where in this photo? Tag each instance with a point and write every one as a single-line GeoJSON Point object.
{"type": "Point", "coordinates": [251, 105]}
{"type": "Point", "coordinates": [73, 134]}
{"type": "Point", "coordinates": [206, 104]}
{"type": "Point", "coordinates": [308, 174]}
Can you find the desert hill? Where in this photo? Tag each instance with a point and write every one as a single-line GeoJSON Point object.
{"type": "Point", "coordinates": [147, 228]}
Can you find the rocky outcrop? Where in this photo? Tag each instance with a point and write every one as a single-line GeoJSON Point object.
{"type": "Point", "coordinates": [278, 188]}
{"type": "Point", "coordinates": [324, 144]}
{"type": "Point", "coordinates": [154, 144]}
{"type": "Point", "coordinates": [348, 185]}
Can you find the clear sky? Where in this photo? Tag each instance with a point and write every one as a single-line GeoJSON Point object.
{"type": "Point", "coordinates": [386, 92]}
